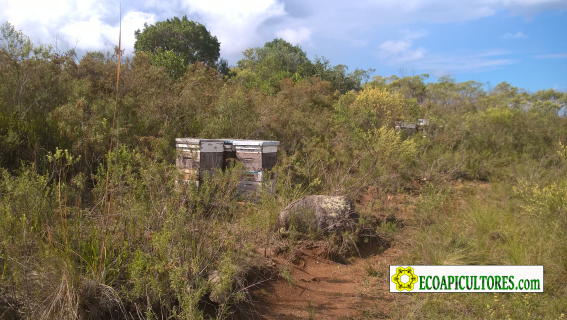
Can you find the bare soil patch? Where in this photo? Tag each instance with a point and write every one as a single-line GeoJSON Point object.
{"type": "Point", "coordinates": [323, 289]}
{"type": "Point", "coordinates": [318, 288]}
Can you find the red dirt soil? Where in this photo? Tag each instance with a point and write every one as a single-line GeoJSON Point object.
{"type": "Point", "coordinates": [323, 289]}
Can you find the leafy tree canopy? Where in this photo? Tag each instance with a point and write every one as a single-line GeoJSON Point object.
{"type": "Point", "coordinates": [338, 75]}
{"type": "Point", "coordinates": [18, 46]}
{"type": "Point", "coordinates": [265, 66]}
{"type": "Point", "coordinates": [275, 55]}
{"type": "Point", "coordinates": [178, 43]}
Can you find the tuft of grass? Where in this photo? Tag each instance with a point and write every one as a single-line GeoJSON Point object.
{"type": "Point", "coordinates": [310, 310]}
{"type": "Point", "coordinates": [371, 271]}
{"type": "Point", "coordinates": [285, 273]}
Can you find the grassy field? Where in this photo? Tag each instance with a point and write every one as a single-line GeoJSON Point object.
{"type": "Point", "coordinates": [486, 224]}
{"type": "Point", "coordinates": [94, 225]}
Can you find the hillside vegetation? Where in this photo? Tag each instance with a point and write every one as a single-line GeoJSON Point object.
{"type": "Point", "coordinates": [93, 224]}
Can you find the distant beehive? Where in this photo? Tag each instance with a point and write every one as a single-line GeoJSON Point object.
{"type": "Point", "coordinates": [411, 127]}
{"type": "Point", "coordinates": [198, 157]}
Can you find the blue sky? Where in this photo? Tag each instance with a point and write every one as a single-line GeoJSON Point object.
{"type": "Point", "coordinates": [523, 42]}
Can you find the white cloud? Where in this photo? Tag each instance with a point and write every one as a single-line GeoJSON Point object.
{"type": "Point", "coordinates": [295, 36]}
{"type": "Point", "coordinates": [359, 43]}
{"type": "Point", "coordinates": [444, 64]}
{"type": "Point", "coordinates": [552, 56]}
{"type": "Point", "coordinates": [391, 47]}
{"type": "Point", "coordinates": [401, 53]}
{"type": "Point", "coordinates": [335, 18]}
{"type": "Point", "coordinates": [530, 8]}
{"type": "Point", "coordinates": [87, 25]}
{"type": "Point", "coordinates": [235, 23]}
{"type": "Point", "coordinates": [247, 23]}
{"type": "Point", "coordinates": [95, 34]}
{"type": "Point", "coordinates": [95, 23]}
{"type": "Point", "coordinates": [414, 34]}
{"type": "Point", "coordinates": [517, 35]}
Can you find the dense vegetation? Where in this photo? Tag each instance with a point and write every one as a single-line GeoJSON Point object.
{"type": "Point", "coordinates": [176, 43]}
{"type": "Point", "coordinates": [93, 224]}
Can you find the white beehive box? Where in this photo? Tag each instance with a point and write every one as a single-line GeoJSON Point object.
{"type": "Point", "coordinates": [257, 156]}
{"type": "Point", "coordinates": [196, 157]}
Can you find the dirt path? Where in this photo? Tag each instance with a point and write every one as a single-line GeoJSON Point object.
{"type": "Point", "coordinates": [317, 288]}
{"type": "Point", "coordinates": [322, 289]}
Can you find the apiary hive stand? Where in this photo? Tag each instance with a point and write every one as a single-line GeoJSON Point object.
{"type": "Point", "coordinates": [196, 157]}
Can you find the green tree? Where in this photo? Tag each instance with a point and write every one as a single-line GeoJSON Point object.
{"type": "Point", "coordinates": [178, 41]}
{"type": "Point", "coordinates": [174, 64]}
{"type": "Point", "coordinates": [32, 83]}
{"type": "Point", "coordinates": [265, 66]}
{"type": "Point", "coordinates": [275, 55]}
{"type": "Point", "coordinates": [338, 75]}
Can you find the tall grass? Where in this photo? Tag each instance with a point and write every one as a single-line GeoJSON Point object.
{"type": "Point", "coordinates": [481, 224]}
{"type": "Point", "coordinates": [149, 256]}
{"type": "Point", "coordinates": [94, 223]}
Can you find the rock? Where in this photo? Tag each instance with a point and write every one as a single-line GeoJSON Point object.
{"type": "Point", "coordinates": [323, 212]}
{"type": "Point", "coordinates": [214, 277]}
{"type": "Point", "coordinates": [217, 295]}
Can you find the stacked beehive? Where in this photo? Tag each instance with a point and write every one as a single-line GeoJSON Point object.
{"type": "Point", "coordinates": [198, 157]}
{"type": "Point", "coordinates": [257, 156]}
